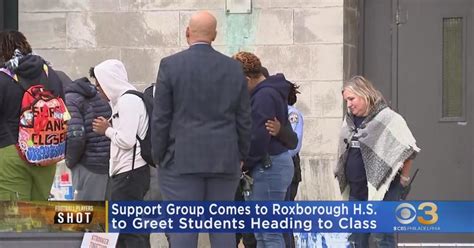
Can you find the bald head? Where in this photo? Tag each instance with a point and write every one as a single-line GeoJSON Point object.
{"type": "Point", "coordinates": [201, 28]}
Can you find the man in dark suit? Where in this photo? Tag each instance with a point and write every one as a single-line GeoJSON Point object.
{"type": "Point", "coordinates": [201, 125]}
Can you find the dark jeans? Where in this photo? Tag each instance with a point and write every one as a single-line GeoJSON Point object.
{"type": "Point", "coordinates": [130, 186]}
{"type": "Point", "coordinates": [290, 196]}
{"type": "Point", "coordinates": [382, 240]}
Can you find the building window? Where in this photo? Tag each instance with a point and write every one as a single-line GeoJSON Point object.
{"type": "Point", "coordinates": [453, 69]}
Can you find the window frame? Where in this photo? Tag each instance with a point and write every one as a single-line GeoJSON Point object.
{"type": "Point", "coordinates": [463, 116]}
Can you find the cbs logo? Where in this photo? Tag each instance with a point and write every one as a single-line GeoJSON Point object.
{"type": "Point", "coordinates": [426, 213]}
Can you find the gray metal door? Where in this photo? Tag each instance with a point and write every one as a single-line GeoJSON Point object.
{"type": "Point", "coordinates": [8, 14]}
{"type": "Point", "coordinates": [435, 87]}
{"type": "Point", "coordinates": [435, 93]}
{"type": "Point", "coordinates": [419, 53]}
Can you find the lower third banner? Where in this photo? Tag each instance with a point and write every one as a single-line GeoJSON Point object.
{"type": "Point", "coordinates": [314, 216]}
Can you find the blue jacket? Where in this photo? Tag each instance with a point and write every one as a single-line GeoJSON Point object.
{"type": "Point", "coordinates": [268, 100]}
{"type": "Point", "coordinates": [84, 146]}
{"type": "Point", "coordinates": [296, 119]}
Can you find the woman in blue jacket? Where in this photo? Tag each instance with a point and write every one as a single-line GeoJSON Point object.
{"type": "Point", "coordinates": [295, 118]}
{"type": "Point", "coordinates": [269, 162]}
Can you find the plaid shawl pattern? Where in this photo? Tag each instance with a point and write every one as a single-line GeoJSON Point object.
{"type": "Point", "coordinates": [385, 143]}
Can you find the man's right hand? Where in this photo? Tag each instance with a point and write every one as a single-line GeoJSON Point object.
{"type": "Point", "coordinates": [100, 125]}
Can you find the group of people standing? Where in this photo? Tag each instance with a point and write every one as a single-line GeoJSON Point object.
{"type": "Point", "coordinates": [214, 118]}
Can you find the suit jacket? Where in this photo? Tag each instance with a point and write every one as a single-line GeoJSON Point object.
{"type": "Point", "coordinates": [201, 116]}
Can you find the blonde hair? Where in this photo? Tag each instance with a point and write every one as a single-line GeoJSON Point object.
{"type": "Point", "coordinates": [362, 87]}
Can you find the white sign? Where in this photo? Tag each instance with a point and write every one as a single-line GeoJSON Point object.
{"type": "Point", "coordinates": [99, 240]}
{"type": "Point", "coordinates": [238, 6]}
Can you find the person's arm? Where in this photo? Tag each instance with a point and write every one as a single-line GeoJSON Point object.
{"type": "Point", "coordinates": [76, 135]}
{"type": "Point", "coordinates": [243, 121]}
{"type": "Point", "coordinates": [297, 123]}
{"type": "Point", "coordinates": [285, 135]}
{"type": "Point", "coordinates": [262, 110]}
{"type": "Point", "coordinates": [162, 114]}
{"type": "Point", "coordinates": [405, 173]}
{"type": "Point", "coordinates": [124, 134]}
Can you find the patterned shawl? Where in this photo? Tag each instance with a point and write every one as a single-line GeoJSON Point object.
{"type": "Point", "coordinates": [385, 143]}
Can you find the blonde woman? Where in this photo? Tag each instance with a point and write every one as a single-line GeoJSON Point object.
{"type": "Point", "coordinates": [376, 149]}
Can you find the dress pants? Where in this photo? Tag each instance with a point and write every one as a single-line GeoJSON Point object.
{"type": "Point", "coordinates": [197, 187]}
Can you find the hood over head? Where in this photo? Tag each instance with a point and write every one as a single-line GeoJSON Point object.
{"type": "Point", "coordinates": [30, 67]}
{"type": "Point", "coordinates": [30, 72]}
{"type": "Point", "coordinates": [112, 77]}
{"type": "Point", "coordinates": [278, 82]}
{"type": "Point", "coordinates": [83, 87]}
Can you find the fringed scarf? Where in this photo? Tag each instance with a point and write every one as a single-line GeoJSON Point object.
{"type": "Point", "coordinates": [385, 143]}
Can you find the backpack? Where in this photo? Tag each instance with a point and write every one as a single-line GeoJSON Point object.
{"type": "Point", "coordinates": [145, 144]}
{"type": "Point", "coordinates": [42, 127]}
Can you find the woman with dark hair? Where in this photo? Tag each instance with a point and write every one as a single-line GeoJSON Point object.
{"type": "Point", "coordinates": [11, 41]}
{"type": "Point", "coordinates": [296, 122]}
{"type": "Point", "coordinates": [269, 162]}
{"type": "Point", "coordinates": [20, 180]}
{"type": "Point", "coordinates": [376, 149]}
{"type": "Point", "coordinates": [295, 119]}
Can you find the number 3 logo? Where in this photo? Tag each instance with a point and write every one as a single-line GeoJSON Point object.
{"type": "Point", "coordinates": [429, 210]}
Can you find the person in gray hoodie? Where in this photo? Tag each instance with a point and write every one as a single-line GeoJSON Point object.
{"type": "Point", "coordinates": [129, 172]}
{"type": "Point", "coordinates": [87, 153]}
